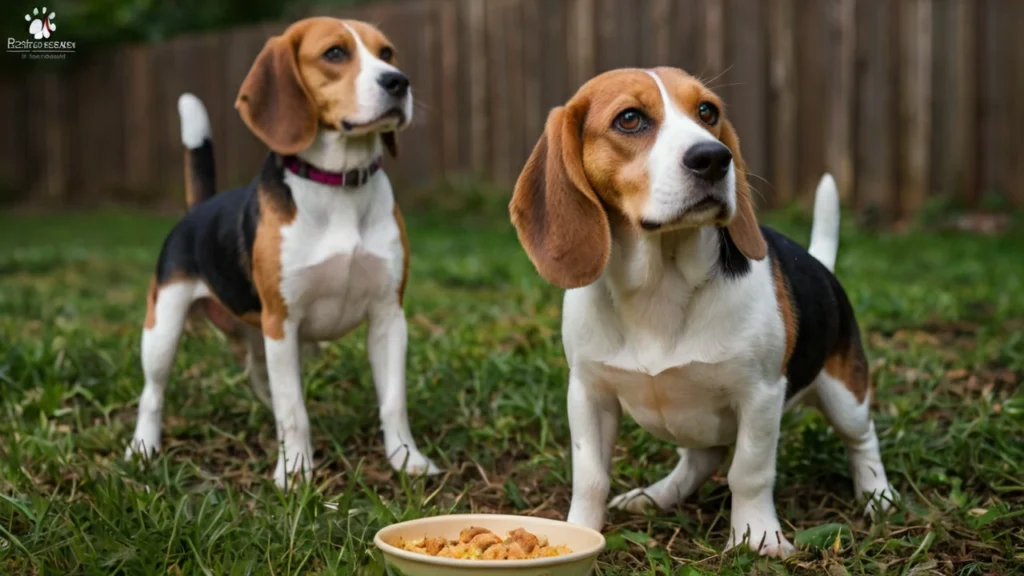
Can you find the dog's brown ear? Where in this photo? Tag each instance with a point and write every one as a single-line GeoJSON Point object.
{"type": "Point", "coordinates": [743, 229]}
{"type": "Point", "coordinates": [273, 101]}
{"type": "Point", "coordinates": [391, 143]}
{"type": "Point", "coordinates": [557, 215]}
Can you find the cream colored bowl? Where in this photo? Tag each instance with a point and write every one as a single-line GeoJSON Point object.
{"type": "Point", "coordinates": [585, 544]}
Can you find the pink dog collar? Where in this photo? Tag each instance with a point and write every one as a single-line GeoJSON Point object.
{"type": "Point", "coordinates": [352, 179]}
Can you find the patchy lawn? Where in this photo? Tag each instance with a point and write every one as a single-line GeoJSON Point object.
{"type": "Point", "coordinates": [945, 319]}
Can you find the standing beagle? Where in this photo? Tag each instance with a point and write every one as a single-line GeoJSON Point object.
{"type": "Point", "coordinates": [680, 309]}
{"type": "Point", "coordinates": [313, 247]}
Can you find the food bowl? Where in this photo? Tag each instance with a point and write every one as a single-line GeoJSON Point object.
{"type": "Point", "coordinates": [585, 544]}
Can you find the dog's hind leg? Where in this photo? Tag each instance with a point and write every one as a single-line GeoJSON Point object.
{"type": "Point", "coordinates": [851, 418]}
{"type": "Point", "coordinates": [693, 469]}
{"type": "Point", "coordinates": [168, 307]}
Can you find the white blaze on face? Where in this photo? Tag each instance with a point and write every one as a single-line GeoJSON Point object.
{"type": "Point", "coordinates": [371, 98]}
{"type": "Point", "coordinates": [672, 187]}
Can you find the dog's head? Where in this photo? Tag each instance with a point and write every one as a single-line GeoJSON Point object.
{"type": "Point", "coordinates": [648, 149]}
{"type": "Point", "coordinates": [323, 72]}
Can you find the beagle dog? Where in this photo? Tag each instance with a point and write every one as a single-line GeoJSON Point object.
{"type": "Point", "coordinates": [310, 249]}
{"type": "Point", "coordinates": [679, 307]}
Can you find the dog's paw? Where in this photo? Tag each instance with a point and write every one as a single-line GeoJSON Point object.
{"type": "Point", "coordinates": [762, 536]}
{"type": "Point", "coordinates": [879, 502]}
{"type": "Point", "coordinates": [638, 501]}
{"type": "Point", "coordinates": [412, 462]}
{"type": "Point", "coordinates": [141, 448]}
{"type": "Point", "coordinates": [293, 466]}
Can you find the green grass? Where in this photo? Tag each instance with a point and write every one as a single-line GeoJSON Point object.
{"type": "Point", "coordinates": [944, 314]}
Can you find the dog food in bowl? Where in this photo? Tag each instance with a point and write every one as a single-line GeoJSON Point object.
{"type": "Point", "coordinates": [476, 543]}
{"type": "Point", "coordinates": [577, 546]}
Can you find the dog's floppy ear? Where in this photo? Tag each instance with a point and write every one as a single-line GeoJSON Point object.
{"type": "Point", "coordinates": [391, 143]}
{"type": "Point", "coordinates": [273, 101]}
{"type": "Point", "coordinates": [557, 215]}
{"type": "Point", "coordinates": [743, 229]}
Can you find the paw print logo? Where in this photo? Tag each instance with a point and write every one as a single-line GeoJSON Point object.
{"type": "Point", "coordinates": [40, 25]}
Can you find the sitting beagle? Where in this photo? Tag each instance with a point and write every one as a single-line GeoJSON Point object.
{"type": "Point", "coordinates": [680, 309]}
{"type": "Point", "coordinates": [313, 247]}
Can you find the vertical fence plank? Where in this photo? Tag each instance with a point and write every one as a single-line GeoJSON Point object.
{"type": "Point", "coordinates": [13, 141]}
{"type": "Point", "coordinates": [516, 90]}
{"type": "Point", "coordinates": [533, 107]}
{"type": "Point", "coordinates": [659, 38]}
{"type": "Point", "coordinates": [684, 45]}
{"type": "Point", "coordinates": [582, 51]}
{"type": "Point", "coordinates": [839, 144]}
{"type": "Point", "coordinates": [782, 70]}
{"type": "Point", "coordinates": [138, 119]}
{"type": "Point", "coordinates": [745, 90]}
{"type": "Point", "coordinates": [53, 117]}
{"type": "Point", "coordinates": [954, 106]}
{"type": "Point", "coordinates": [448, 106]}
{"type": "Point", "coordinates": [713, 45]}
{"type": "Point", "coordinates": [811, 88]}
{"type": "Point", "coordinates": [915, 101]}
{"type": "Point", "coordinates": [498, 98]}
{"type": "Point", "coordinates": [875, 148]}
{"type": "Point", "coordinates": [557, 77]}
{"type": "Point", "coordinates": [1015, 104]}
{"type": "Point", "coordinates": [610, 52]}
{"type": "Point", "coordinates": [478, 58]}
{"type": "Point", "coordinates": [992, 162]}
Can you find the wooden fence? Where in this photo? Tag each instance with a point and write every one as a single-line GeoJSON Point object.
{"type": "Point", "coordinates": [900, 99]}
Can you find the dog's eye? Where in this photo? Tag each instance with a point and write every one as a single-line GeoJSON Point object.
{"type": "Point", "coordinates": [630, 121]}
{"type": "Point", "coordinates": [386, 54]}
{"type": "Point", "coordinates": [335, 54]}
{"type": "Point", "coordinates": [708, 113]}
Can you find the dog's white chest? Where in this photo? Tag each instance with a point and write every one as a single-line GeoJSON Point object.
{"type": "Point", "coordinates": [677, 366]}
{"type": "Point", "coordinates": [688, 405]}
{"type": "Point", "coordinates": [336, 261]}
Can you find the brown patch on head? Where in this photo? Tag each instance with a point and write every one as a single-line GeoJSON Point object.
{"type": "Point", "coordinates": [787, 311]}
{"type": "Point", "coordinates": [849, 365]}
{"type": "Point", "coordinates": [616, 162]}
{"type": "Point", "coordinates": [405, 252]}
{"type": "Point", "coordinates": [266, 263]}
{"type": "Point", "coordinates": [304, 78]}
{"type": "Point", "coordinates": [581, 172]}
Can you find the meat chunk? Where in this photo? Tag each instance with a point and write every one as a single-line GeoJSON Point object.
{"type": "Point", "coordinates": [525, 540]}
{"type": "Point", "coordinates": [466, 535]}
{"type": "Point", "coordinates": [434, 545]}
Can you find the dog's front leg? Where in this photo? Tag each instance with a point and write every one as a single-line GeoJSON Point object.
{"type": "Point", "coordinates": [386, 341]}
{"type": "Point", "coordinates": [593, 426]}
{"type": "Point", "coordinates": [752, 474]}
{"type": "Point", "coordinates": [284, 368]}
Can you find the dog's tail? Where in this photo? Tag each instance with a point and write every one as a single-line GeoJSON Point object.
{"type": "Point", "coordinates": [825, 231]}
{"type": "Point", "coordinates": [200, 180]}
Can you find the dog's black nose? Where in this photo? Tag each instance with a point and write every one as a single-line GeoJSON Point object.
{"type": "Point", "coordinates": [708, 161]}
{"type": "Point", "coordinates": [394, 83]}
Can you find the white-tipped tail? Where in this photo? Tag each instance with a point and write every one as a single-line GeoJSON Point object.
{"type": "Point", "coordinates": [825, 231]}
{"type": "Point", "coordinates": [195, 123]}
